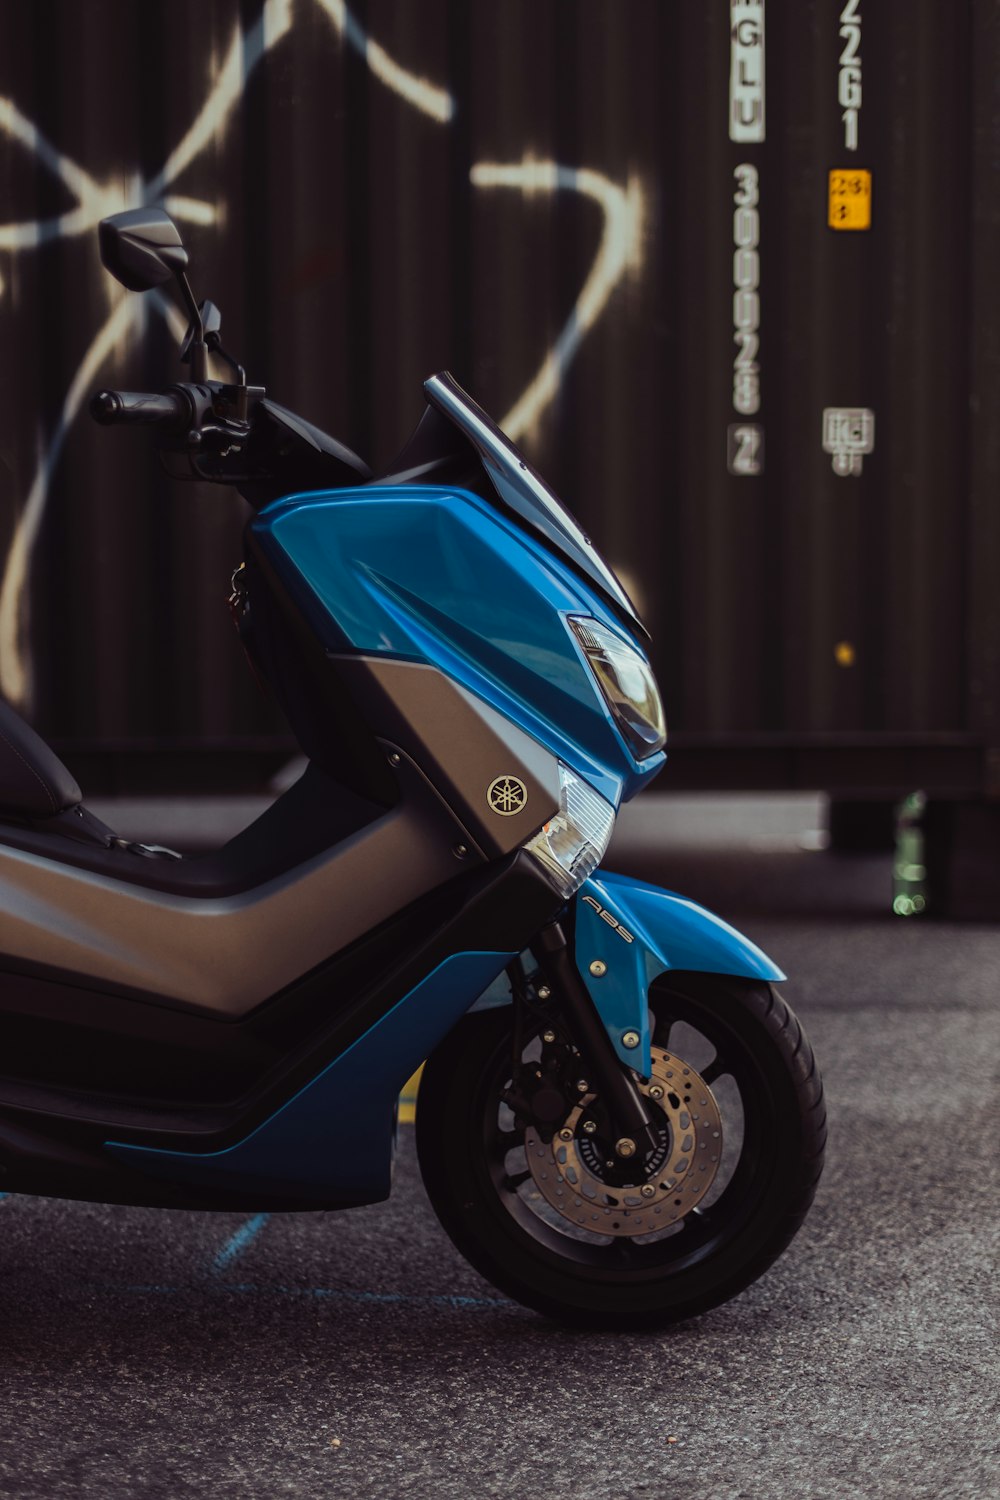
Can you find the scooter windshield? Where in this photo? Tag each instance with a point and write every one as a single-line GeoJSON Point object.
{"type": "Point", "coordinates": [524, 492]}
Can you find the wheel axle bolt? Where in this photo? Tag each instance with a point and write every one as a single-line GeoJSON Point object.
{"type": "Point", "coordinates": [544, 993]}
{"type": "Point", "coordinates": [565, 1134]}
{"type": "Point", "coordinates": [656, 1092]}
{"type": "Point", "coordinates": [589, 1126]}
{"type": "Point", "coordinates": [582, 1085]}
{"type": "Point", "coordinates": [598, 968]}
{"type": "Point", "coordinates": [625, 1147]}
{"type": "Point", "coordinates": [630, 1039]}
{"type": "Point", "coordinates": [648, 1190]}
{"type": "Point", "coordinates": [548, 1036]}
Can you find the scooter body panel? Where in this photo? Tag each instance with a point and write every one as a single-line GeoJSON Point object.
{"type": "Point", "coordinates": [333, 1140]}
{"type": "Point", "coordinates": [632, 932]}
{"type": "Point", "coordinates": [628, 933]}
{"type": "Point", "coordinates": [221, 955]}
{"type": "Point", "coordinates": [466, 679]}
{"type": "Point", "coordinates": [433, 575]}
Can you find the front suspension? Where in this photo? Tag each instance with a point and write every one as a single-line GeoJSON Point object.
{"type": "Point", "coordinates": [633, 1118]}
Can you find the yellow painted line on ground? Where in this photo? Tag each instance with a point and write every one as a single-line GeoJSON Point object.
{"type": "Point", "coordinates": [408, 1098]}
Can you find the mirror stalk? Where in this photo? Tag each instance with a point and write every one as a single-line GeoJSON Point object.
{"type": "Point", "coordinates": [198, 347]}
{"type": "Point", "coordinates": [239, 374]}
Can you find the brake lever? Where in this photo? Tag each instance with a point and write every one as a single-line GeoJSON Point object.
{"type": "Point", "coordinates": [218, 434]}
{"type": "Point", "coordinates": [205, 451]}
{"type": "Point", "coordinates": [221, 438]}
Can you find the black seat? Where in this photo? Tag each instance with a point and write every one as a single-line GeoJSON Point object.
{"type": "Point", "coordinates": [34, 783]}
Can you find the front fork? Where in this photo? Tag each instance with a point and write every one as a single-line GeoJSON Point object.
{"type": "Point", "coordinates": [635, 1130]}
{"type": "Point", "coordinates": [626, 934]}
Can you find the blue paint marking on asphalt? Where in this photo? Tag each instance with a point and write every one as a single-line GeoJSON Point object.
{"type": "Point", "coordinates": [240, 1241]}
{"type": "Point", "coordinates": [336, 1294]}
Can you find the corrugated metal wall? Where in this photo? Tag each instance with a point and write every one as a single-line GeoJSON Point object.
{"type": "Point", "coordinates": [371, 193]}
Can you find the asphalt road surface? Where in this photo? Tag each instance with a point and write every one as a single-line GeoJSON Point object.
{"type": "Point", "coordinates": [149, 1354]}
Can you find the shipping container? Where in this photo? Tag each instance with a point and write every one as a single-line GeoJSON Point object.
{"type": "Point", "coordinates": [726, 270]}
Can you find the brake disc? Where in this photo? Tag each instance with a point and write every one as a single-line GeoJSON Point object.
{"type": "Point", "coordinates": [572, 1171]}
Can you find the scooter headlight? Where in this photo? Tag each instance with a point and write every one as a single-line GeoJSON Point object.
{"type": "Point", "coordinates": [627, 682]}
{"type": "Point", "coordinates": [572, 843]}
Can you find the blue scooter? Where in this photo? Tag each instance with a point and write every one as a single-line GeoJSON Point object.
{"type": "Point", "coordinates": [620, 1122]}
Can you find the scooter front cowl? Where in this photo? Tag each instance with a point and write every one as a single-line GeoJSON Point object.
{"type": "Point", "coordinates": [628, 933]}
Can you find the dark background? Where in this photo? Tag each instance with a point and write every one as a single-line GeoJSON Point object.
{"type": "Point", "coordinates": [353, 255]}
{"type": "Point", "coordinates": [357, 1354]}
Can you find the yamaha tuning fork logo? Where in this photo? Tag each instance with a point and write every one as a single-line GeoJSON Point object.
{"type": "Point", "coordinates": [507, 796]}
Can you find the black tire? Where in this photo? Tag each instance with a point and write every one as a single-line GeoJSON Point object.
{"type": "Point", "coordinates": [765, 1080]}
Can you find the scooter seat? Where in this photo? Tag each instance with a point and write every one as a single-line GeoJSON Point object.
{"type": "Point", "coordinates": [34, 783]}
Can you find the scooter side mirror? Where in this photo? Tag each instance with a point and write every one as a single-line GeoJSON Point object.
{"type": "Point", "coordinates": [142, 248]}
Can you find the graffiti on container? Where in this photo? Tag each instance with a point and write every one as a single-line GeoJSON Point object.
{"type": "Point", "coordinates": [849, 77]}
{"type": "Point", "coordinates": [848, 434]}
{"type": "Point", "coordinates": [746, 70]}
{"type": "Point", "coordinates": [619, 250]}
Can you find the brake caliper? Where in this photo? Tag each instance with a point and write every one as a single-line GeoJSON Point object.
{"type": "Point", "coordinates": [595, 1190]}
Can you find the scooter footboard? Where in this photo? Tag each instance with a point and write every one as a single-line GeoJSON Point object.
{"type": "Point", "coordinates": [332, 1142]}
{"type": "Point", "coordinates": [628, 932]}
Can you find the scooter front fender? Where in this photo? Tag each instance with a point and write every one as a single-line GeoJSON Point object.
{"type": "Point", "coordinates": [627, 933]}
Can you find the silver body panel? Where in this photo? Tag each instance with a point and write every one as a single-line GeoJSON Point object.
{"type": "Point", "coordinates": [460, 743]}
{"type": "Point", "coordinates": [224, 955]}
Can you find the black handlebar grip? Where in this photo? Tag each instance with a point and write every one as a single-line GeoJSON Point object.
{"type": "Point", "coordinates": [141, 408]}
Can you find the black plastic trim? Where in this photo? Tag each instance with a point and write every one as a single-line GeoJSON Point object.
{"type": "Point", "coordinates": [34, 783]}
{"type": "Point", "coordinates": [314, 815]}
{"type": "Point", "coordinates": [53, 1145]}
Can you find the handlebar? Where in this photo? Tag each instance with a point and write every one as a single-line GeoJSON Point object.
{"type": "Point", "coordinates": [230, 434]}
{"type": "Point", "coordinates": [142, 408]}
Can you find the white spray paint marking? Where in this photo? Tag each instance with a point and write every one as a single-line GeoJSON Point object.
{"type": "Point", "coordinates": [423, 95]}
{"type": "Point", "coordinates": [246, 50]}
{"type": "Point", "coordinates": [192, 209]}
{"type": "Point", "coordinates": [128, 315]}
{"type": "Point", "coordinates": [15, 681]}
{"type": "Point", "coordinates": [95, 202]}
{"type": "Point", "coordinates": [619, 250]}
{"type": "Point", "coordinates": [82, 186]}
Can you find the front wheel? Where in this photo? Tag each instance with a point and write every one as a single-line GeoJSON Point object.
{"type": "Point", "coordinates": [557, 1221]}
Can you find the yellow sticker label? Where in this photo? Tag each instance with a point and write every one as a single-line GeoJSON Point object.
{"type": "Point", "coordinates": [850, 198]}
